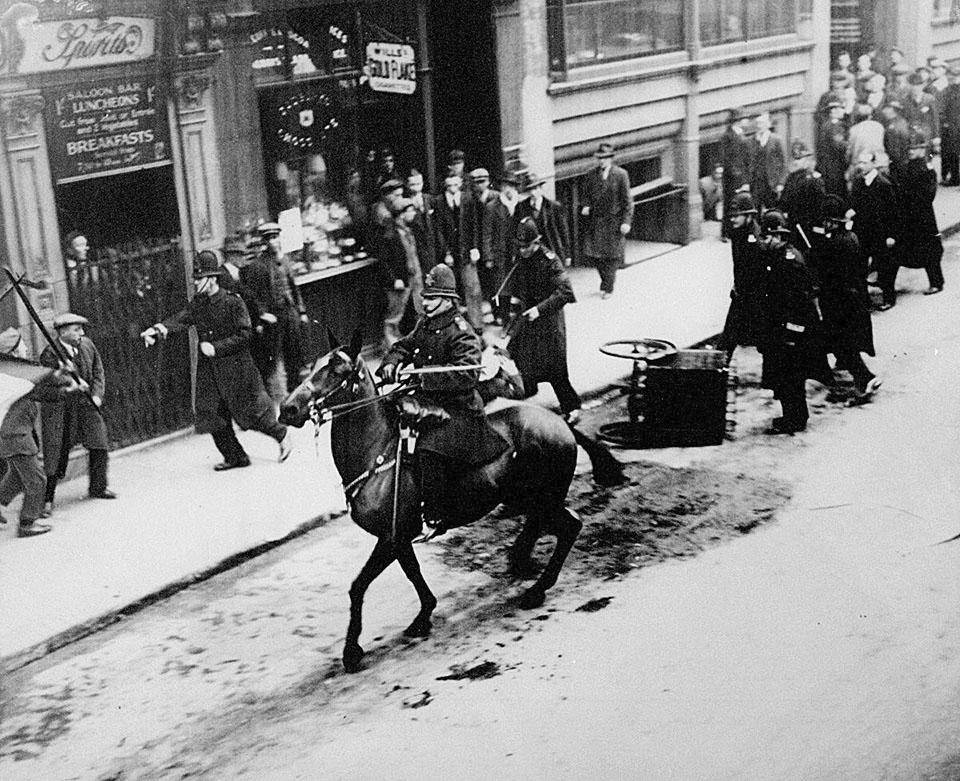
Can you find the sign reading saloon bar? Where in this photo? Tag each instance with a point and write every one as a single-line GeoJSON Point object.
{"type": "Point", "coordinates": [106, 127]}
{"type": "Point", "coordinates": [28, 45]}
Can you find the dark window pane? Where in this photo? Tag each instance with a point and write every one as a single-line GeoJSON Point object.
{"type": "Point", "coordinates": [603, 30]}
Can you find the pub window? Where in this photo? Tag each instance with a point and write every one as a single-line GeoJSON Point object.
{"type": "Point", "coordinates": [587, 32]}
{"type": "Point", "coordinates": [725, 21]}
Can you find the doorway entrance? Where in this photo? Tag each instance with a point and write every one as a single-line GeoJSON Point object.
{"type": "Point", "coordinates": [466, 106]}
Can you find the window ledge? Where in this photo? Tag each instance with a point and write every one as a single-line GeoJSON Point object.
{"type": "Point", "coordinates": [655, 66]}
{"type": "Point", "coordinates": [943, 21]}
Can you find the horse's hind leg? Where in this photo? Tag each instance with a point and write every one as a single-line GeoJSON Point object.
{"type": "Point", "coordinates": [566, 525]}
{"type": "Point", "coordinates": [411, 568]}
{"type": "Point", "coordinates": [381, 558]}
{"type": "Point", "coordinates": [522, 549]}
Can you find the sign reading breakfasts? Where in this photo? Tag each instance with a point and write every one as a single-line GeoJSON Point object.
{"type": "Point", "coordinates": [106, 127]}
{"type": "Point", "coordinates": [29, 44]}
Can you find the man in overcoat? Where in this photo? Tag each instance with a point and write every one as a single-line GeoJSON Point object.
{"type": "Point", "coordinates": [279, 312]}
{"type": "Point", "coordinates": [843, 298]}
{"type": "Point", "coordinates": [422, 227]}
{"type": "Point", "coordinates": [19, 443]}
{"type": "Point", "coordinates": [920, 243]}
{"type": "Point", "coordinates": [896, 138]}
{"type": "Point", "coordinates": [876, 216]}
{"type": "Point", "coordinates": [791, 349]}
{"type": "Point", "coordinates": [500, 237]}
{"type": "Point", "coordinates": [608, 207]}
{"type": "Point", "coordinates": [399, 268]}
{"type": "Point", "coordinates": [769, 168]}
{"type": "Point", "coordinates": [453, 237]}
{"type": "Point", "coordinates": [460, 436]}
{"type": "Point", "coordinates": [802, 198]}
{"type": "Point", "coordinates": [78, 417]}
{"type": "Point", "coordinates": [950, 130]}
{"type": "Point", "coordinates": [539, 288]}
{"type": "Point", "coordinates": [920, 109]}
{"type": "Point", "coordinates": [483, 195]}
{"type": "Point", "coordinates": [229, 387]}
{"type": "Point", "coordinates": [744, 318]}
{"type": "Point", "coordinates": [735, 156]}
{"type": "Point", "coordinates": [832, 151]}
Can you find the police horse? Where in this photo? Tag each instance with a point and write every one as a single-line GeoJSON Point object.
{"type": "Point", "coordinates": [532, 476]}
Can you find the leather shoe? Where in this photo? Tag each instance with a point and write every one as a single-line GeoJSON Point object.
{"type": "Point", "coordinates": [933, 290]}
{"type": "Point", "coordinates": [223, 466]}
{"type": "Point", "coordinates": [33, 529]}
{"type": "Point", "coordinates": [106, 493]}
{"type": "Point", "coordinates": [884, 306]}
{"type": "Point", "coordinates": [47, 510]}
{"type": "Point", "coordinates": [781, 426]}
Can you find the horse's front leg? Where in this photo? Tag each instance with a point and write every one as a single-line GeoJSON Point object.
{"type": "Point", "coordinates": [421, 625]}
{"type": "Point", "coordinates": [380, 558]}
{"type": "Point", "coordinates": [565, 524]}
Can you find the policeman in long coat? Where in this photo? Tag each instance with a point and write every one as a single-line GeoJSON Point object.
{"type": "Point", "coordinates": [77, 418]}
{"type": "Point", "coordinates": [460, 436]}
{"type": "Point", "coordinates": [790, 346]}
{"type": "Point", "coordinates": [608, 207]}
{"type": "Point", "coordinates": [229, 387]}
{"type": "Point", "coordinates": [803, 192]}
{"type": "Point", "coordinates": [832, 151]}
{"type": "Point", "coordinates": [539, 288]}
{"type": "Point", "coordinates": [844, 301]}
{"type": "Point", "coordinates": [745, 317]}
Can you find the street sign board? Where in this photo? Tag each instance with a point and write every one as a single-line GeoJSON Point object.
{"type": "Point", "coordinates": [391, 67]}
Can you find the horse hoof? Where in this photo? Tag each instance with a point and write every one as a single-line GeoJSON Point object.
{"type": "Point", "coordinates": [352, 656]}
{"type": "Point", "coordinates": [419, 628]}
{"type": "Point", "coordinates": [533, 597]}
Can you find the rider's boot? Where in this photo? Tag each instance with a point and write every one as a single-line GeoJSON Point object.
{"type": "Point", "coordinates": [433, 487]}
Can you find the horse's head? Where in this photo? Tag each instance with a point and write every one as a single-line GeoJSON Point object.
{"type": "Point", "coordinates": [335, 378]}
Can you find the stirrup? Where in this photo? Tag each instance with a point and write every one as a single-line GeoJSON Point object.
{"type": "Point", "coordinates": [429, 531]}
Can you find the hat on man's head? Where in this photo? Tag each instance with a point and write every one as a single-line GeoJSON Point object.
{"type": "Point", "coordinates": [456, 156]}
{"type": "Point", "coordinates": [440, 283]}
{"type": "Point", "coordinates": [268, 229]}
{"type": "Point", "coordinates": [918, 139]}
{"type": "Point", "coordinates": [531, 180]}
{"type": "Point", "coordinates": [235, 245]}
{"type": "Point", "coordinates": [480, 175]}
{"type": "Point", "coordinates": [399, 205]}
{"type": "Point", "coordinates": [774, 222]}
{"type": "Point", "coordinates": [389, 185]}
{"type": "Point", "coordinates": [834, 103]}
{"type": "Point", "coordinates": [510, 177]}
{"type": "Point", "coordinates": [936, 62]}
{"type": "Point", "coordinates": [604, 150]}
{"type": "Point", "coordinates": [915, 78]}
{"type": "Point", "coordinates": [894, 104]}
{"type": "Point", "coordinates": [741, 204]}
{"type": "Point", "coordinates": [452, 179]}
{"type": "Point", "coordinates": [834, 209]}
{"type": "Point", "coordinates": [414, 176]}
{"type": "Point", "coordinates": [799, 149]}
{"type": "Point", "coordinates": [527, 232]}
{"type": "Point", "coordinates": [206, 264]}
{"type": "Point", "coordinates": [9, 339]}
{"type": "Point", "coordinates": [69, 318]}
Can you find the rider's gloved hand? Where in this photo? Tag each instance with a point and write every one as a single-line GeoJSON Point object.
{"type": "Point", "coordinates": [387, 372]}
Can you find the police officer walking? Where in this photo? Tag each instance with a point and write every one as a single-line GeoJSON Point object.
{"type": "Point", "coordinates": [789, 345]}
{"type": "Point", "coordinates": [803, 192]}
{"type": "Point", "coordinates": [539, 288]}
{"type": "Point", "coordinates": [744, 318]}
{"type": "Point", "coordinates": [229, 387]}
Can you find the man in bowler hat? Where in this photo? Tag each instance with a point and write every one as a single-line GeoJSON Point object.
{"type": "Point", "coordinates": [609, 213]}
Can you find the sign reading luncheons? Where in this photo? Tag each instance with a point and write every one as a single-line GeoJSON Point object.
{"type": "Point", "coordinates": [106, 127]}
{"type": "Point", "coordinates": [391, 67]}
{"type": "Point", "coordinates": [29, 45]}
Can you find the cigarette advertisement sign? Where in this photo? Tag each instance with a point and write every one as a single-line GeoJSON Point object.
{"type": "Point", "coordinates": [106, 127]}
{"type": "Point", "coordinates": [391, 67]}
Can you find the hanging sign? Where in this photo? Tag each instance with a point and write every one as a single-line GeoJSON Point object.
{"type": "Point", "coordinates": [106, 127]}
{"type": "Point", "coordinates": [391, 67]}
{"type": "Point", "coordinates": [28, 45]}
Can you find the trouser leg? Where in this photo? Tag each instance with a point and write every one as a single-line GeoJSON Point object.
{"type": "Point", "coordinates": [269, 425]}
{"type": "Point", "coordinates": [31, 478]}
{"type": "Point", "coordinates": [98, 460]}
{"type": "Point", "coordinates": [51, 488]}
{"type": "Point", "coordinates": [396, 306]}
{"type": "Point", "coordinates": [292, 348]}
{"type": "Point", "coordinates": [569, 399]}
{"type": "Point", "coordinates": [229, 446]}
{"type": "Point", "coordinates": [793, 402]}
{"type": "Point", "coordinates": [608, 273]}
{"type": "Point", "coordinates": [852, 361]}
{"type": "Point", "coordinates": [887, 267]}
{"type": "Point", "coordinates": [933, 267]}
{"type": "Point", "coordinates": [433, 484]}
{"type": "Point", "coordinates": [11, 484]}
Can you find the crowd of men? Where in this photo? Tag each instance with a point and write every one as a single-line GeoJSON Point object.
{"type": "Point", "coordinates": [808, 238]}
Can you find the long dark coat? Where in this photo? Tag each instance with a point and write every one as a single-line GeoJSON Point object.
{"type": "Point", "coordinates": [453, 235]}
{"type": "Point", "coordinates": [802, 201]}
{"type": "Point", "coordinates": [832, 157]}
{"type": "Point", "coordinates": [920, 242]}
{"type": "Point", "coordinates": [539, 348]}
{"type": "Point", "coordinates": [424, 231]}
{"type": "Point", "coordinates": [87, 425]}
{"type": "Point", "coordinates": [230, 375]}
{"type": "Point", "coordinates": [844, 301]}
{"type": "Point", "coordinates": [19, 430]}
{"type": "Point", "coordinates": [611, 205]}
{"type": "Point", "coordinates": [791, 344]}
{"type": "Point", "coordinates": [768, 170]}
{"type": "Point", "coordinates": [950, 120]}
{"type": "Point", "coordinates": [266, 281]}
{"type": "Point", "coordinates": [736, 157]}
{"type": "Point", "coordinates": [551, 222]}
{"type": "Point", "coordinates": [499, 240]}
{"type": "Point", "coordinates": [448, 340]}
{"type": "Point", "coordinates": [744, 321]}
{"type": "Point", "coordinates": [876, 214]}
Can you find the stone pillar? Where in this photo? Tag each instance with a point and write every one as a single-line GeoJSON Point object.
{"type": "Point", "coordinates": [27, 199]}
{"type": "Point", "coordinates": [689, 168]}
{"type": "Point", "coordinates": [816, 79]}
{"type": "Point", "coordinates": [523, 73]}
{"type": "Point", "coordinates": [198, 168]}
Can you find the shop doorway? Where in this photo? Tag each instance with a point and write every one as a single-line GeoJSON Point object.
{"type": "Point", "coordinates": [466, 107]}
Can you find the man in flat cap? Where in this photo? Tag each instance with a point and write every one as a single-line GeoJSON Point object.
{"type": "Point", "coordinates": [608, 209]}
{"type": "Point", "coordinates": [482, 196]}
{"type": "Point", "coordinates": [399, 268]}
{"type": "Point", "coordinates": [547, 214]}
{"type": "Point", "coordinates": [769, 166]}
{"type": "Point", "coordinates": [78, 418]}
{"type": "Point", "coordinates": [389, 190]}
{"type": "Point", "coordinates": [278, 313]}
{"type": "Point", "coordinates": [500, 236]}
{"type": "Point", "coordinates": [229, 387]}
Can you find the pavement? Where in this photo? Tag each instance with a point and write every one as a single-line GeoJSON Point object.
{"type": "Point", "coordinates": [176, 522]}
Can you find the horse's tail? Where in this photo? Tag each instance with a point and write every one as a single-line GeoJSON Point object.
{"type": "Point", "coordinates": [607, 470]}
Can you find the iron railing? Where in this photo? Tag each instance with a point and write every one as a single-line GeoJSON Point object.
{"type": "Point", "coordinates": [122, 291]}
